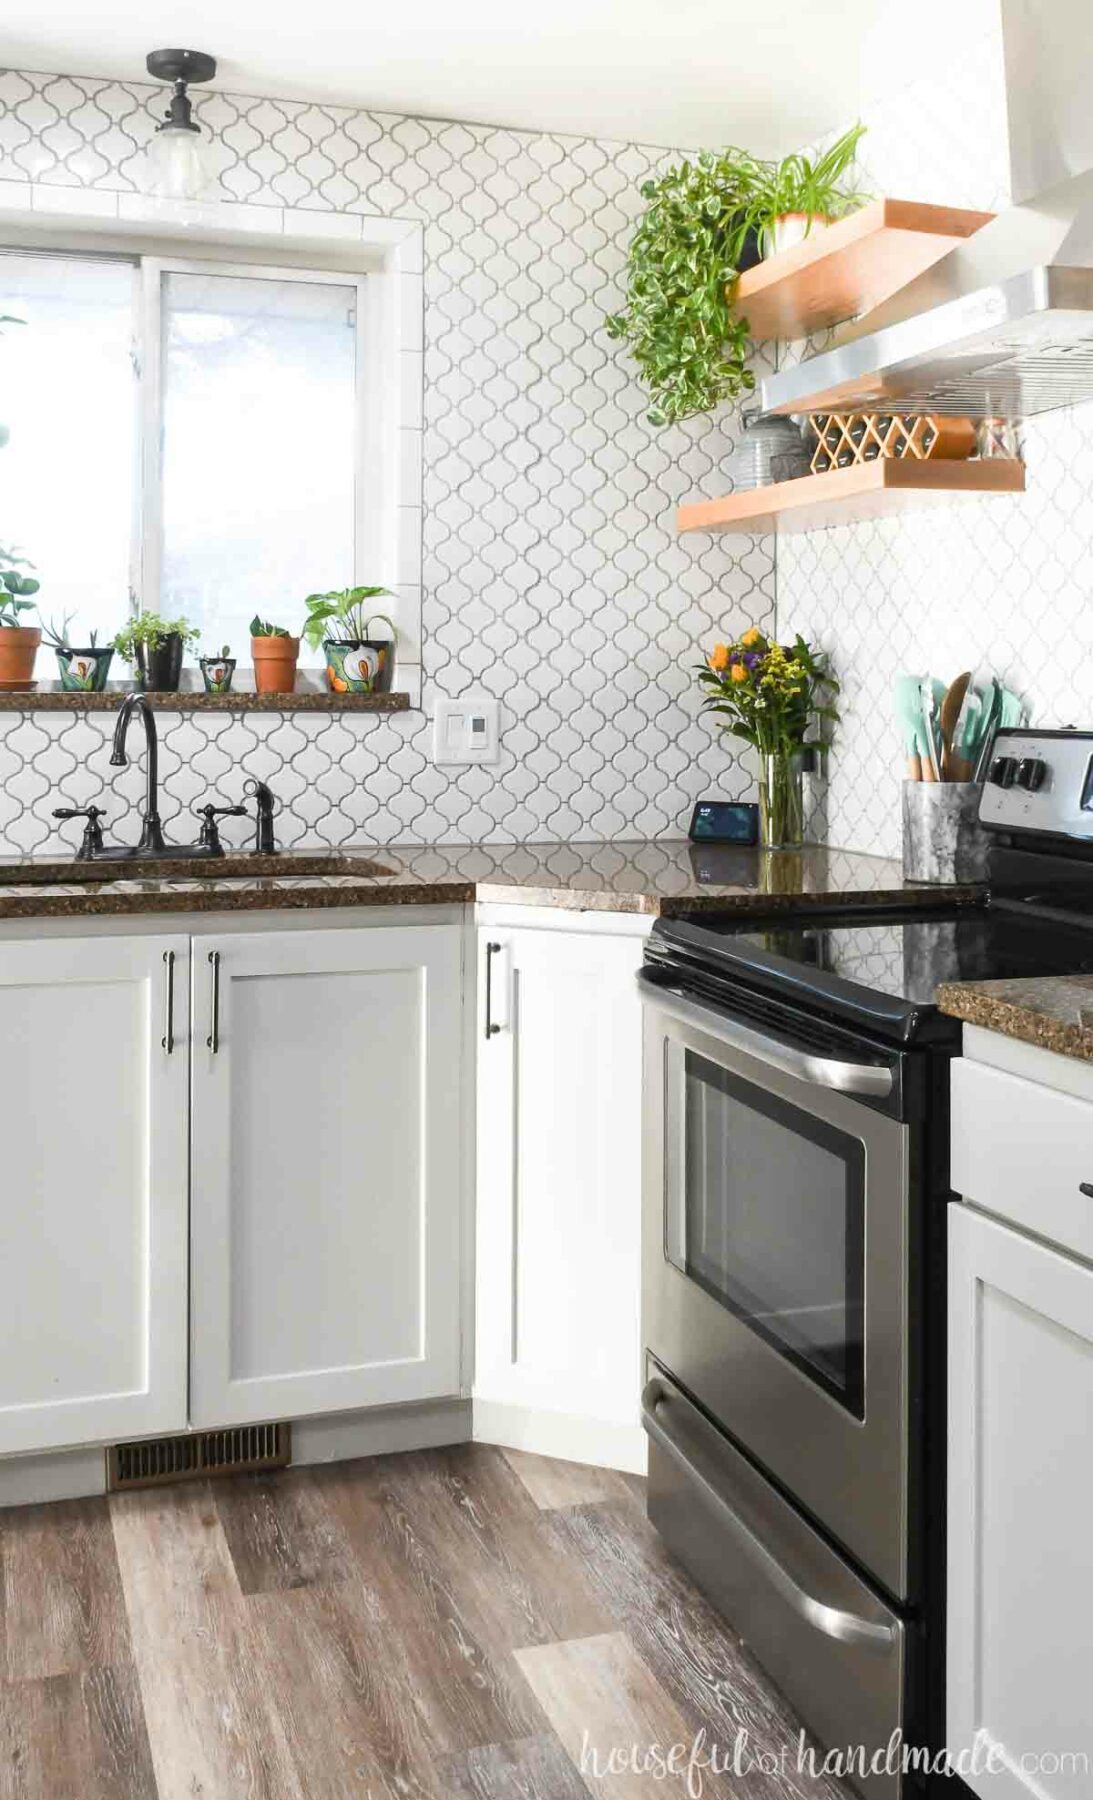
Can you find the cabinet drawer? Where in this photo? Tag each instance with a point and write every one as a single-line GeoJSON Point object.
{"type": "Point", "coordinates": [1023, 1151]}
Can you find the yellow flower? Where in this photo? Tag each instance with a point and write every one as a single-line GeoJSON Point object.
{"type": "Point", "coordinates": [738, 672]}
{"type": "Point", "coordinates": [751, 636]}
{"type": "Point", "coordinates": [720, 657]}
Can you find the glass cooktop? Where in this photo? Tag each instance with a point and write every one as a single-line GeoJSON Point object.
{"type": "Point", "coordinates": [874, 964]}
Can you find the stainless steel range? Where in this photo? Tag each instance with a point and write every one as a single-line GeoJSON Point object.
{"type": "Point", "coordinates": [796, 1185]}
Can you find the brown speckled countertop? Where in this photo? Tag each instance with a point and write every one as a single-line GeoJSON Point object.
{"type": "Point", "coordinates": [1053, 1011]}
{"type": "Point", "coordinates": [647, 878]}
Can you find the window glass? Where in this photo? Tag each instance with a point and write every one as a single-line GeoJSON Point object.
{"type": "Point", "coordinates": [69, 400]}
{"type": "Point", "coordinates": [259, 397]}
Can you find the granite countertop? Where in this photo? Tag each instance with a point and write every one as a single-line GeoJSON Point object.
{"type": "Point", "coordinates": [662, 877]}
{"type": "Point", "coordinates": [1053, 1011]}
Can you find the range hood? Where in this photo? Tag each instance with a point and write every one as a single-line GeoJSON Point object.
{"type": "Point", "coordinates": [1002, 326]}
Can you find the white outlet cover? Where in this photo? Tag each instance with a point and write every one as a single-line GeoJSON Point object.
{"type": "Point", "coordinates": [467, 730]}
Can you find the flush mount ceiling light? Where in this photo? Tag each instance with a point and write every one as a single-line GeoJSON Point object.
{"type": "Point", "coordinates": [178, 163]}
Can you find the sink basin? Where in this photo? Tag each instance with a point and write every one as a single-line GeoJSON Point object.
{"type": "Point", "coordinates": [242, 867]}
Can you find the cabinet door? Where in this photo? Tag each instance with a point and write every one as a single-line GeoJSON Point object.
{"type": "Point", "coordinates": [93, 1153]}
{"type": "Point", "coordinates": [1020, 1633]}
{"type": "Point", "coordinates": [559, 1163]}
{"type": "Point", "coordinates": [326, 1171]}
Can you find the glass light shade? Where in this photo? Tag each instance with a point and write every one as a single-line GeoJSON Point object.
{"type": "Point", "coordinates": [179, 164]}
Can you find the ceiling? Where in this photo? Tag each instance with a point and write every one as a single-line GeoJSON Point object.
{"type": "Point", "coordinates": [677, 72]}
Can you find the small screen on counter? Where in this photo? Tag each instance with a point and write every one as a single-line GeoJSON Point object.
{"type": "Point", "coordinates": [724, 822]}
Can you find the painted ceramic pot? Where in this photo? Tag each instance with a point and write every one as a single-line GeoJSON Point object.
{"type": "Point", "coordinates": [360, 666]}
{"type": "Point", "coordinates": [217, 672]}
{"type": "Point", "coordinates": [84, 671]}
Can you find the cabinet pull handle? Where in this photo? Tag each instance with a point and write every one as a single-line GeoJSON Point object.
{"type": "Point", "coordinates": [213, 1039]}
{"type": "Point", "coordinates": [1086, 1188]}
{"type": "Point", "coordinates": [168, 1038]}
{"type": "Point", "coordinates": [491, 1029]}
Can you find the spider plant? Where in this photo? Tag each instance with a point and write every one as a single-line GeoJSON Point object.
{"type": "Point", "coordinates": [812, 186]}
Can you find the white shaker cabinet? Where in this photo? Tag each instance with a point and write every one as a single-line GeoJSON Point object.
{"type": "Point", "coordinates": [1020, 1630]}
{"type": "Point", "coordinates": [558, 1280]}
{"type": "Point", "coordinates": [325, 1212]}
{"type": "Point", "coordinates": [94, 1052]}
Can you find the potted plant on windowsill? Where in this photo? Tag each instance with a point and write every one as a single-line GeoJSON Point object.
{"type": "Point", "coordinates": [153, 647]}
{"type": "Point", "coordinates": [275, 653]}
{"type": "Point", "coordinates": [18, 643]}
{"type": "Point", "coordinates": [82, 671]}
{"type": "Point", "coordinates": [356, 661]}
{"type": "Point", "coordinates": [218, 672]}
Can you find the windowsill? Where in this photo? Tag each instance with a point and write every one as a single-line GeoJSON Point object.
{"type": "Point", "coordinates": [49, 696]}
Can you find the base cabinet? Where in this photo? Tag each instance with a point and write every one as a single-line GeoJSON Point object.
{"type": "Point", "coordinates": [1020, 1632]}
{"type": "Point", "coordinates": [94, 1141]}
{"type": "Point", "coordinates": [558, 1276]}
{"type": "Point", "coordinates": [325, 1213]}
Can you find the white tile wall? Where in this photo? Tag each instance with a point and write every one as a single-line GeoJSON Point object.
{"type": "Point", "coordinates": [552, 574]}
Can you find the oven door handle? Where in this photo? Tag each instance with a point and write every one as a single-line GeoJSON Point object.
{"type": "Point", "coordinates": [869, 1079]}
{"type": "Point", "coordinates": [845, 1627]}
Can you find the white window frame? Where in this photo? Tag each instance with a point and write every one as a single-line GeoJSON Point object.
{"type": "Point", "coordinates": [380, 258]}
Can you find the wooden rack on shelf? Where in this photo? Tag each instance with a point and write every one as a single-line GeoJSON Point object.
{"type": "Point", "coordinates": [845, 269]}
{"type": "Point", "coordinates": [842, 496]}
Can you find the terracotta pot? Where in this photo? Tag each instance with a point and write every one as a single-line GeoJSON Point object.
{"type": "Point", "coordinates": [275, 664]}
{"type": "Point", "coordinates": [791, 229]}
{"type": "Point", "coordinates": [18, 648]}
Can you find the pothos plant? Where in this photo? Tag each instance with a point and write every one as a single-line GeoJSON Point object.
{"type": "Point", "coordinates": [345, 609]}
{"type": "Point", "coordinates": [680, 319]}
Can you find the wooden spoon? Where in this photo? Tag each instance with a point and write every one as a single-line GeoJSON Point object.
{"type": "Point", "coordinates": [950, 713]}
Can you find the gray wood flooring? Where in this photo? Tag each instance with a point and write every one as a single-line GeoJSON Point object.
{"type": "Point", "coordinates": [462, 1624]}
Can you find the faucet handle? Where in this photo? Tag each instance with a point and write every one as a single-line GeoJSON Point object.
{"type": "Point", "coordinates": [209, 840]}
{"type": "Point", "coordinates": [91, 843]}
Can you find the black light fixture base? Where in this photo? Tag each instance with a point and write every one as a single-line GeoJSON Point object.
{"type": "Point", "coordinates": [180, 65]}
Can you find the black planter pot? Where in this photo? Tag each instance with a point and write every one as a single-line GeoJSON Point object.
{"type": "Point", "coordinates": [159, 666]}
{"type": "Point", "coordinates": [751, 254]}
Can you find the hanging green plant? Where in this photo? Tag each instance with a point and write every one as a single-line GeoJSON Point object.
{"type": "Point", "coordinates": [679, 321]}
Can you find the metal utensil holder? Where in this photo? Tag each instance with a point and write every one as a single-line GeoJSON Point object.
{"type": "Point", "coordinates": [943, 840]}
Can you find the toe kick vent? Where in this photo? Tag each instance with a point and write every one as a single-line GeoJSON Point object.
{"type": "Point", "coordinates": [237, 1450]}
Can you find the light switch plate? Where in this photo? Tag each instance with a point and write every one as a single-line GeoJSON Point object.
{"type": "Point", "coordinates": [467, 731]}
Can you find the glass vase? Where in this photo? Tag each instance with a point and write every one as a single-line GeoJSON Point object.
{"type": "Point", "coordinates": [781, 801]}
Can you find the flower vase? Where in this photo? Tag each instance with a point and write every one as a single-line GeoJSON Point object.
{"type": "Point", "coordinates": [781, 801]}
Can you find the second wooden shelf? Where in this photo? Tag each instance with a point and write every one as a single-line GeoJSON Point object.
{"type": "Point", "coordinates": [843, 496]}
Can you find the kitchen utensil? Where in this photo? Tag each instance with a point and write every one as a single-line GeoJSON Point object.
{"type": "Point", "coordinates": [951, 703]}
{"type": "Point", "coordinates": [966, 735]}
{"type": "Point", "coordinates": [992, 700]}
{"type": "Point", "coordinates": [908, 695]}
{"type": "Point", "coordinates": [933, 692]}
{"type": "Point", "coordinates": [770, 450]}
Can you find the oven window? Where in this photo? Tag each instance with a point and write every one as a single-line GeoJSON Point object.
{"type": "Point", "coordinates": [770, 1219]}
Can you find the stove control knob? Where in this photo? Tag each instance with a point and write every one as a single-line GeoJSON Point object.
{"type": "Point", "coordinates": [1003, 772]}
{"type": "Point", "coordinates": [1030, 774]}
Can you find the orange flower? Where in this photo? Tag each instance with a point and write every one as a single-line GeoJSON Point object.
{"type": "Point", "coordinates": [738, 672]}
{"type": "Point", "coordinates": [751, 636]}
{"type": "Point", "coordinates": [719, 659]}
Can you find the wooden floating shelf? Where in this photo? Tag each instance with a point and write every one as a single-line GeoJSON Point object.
{"type": "Point", "coordinates": [843, 496]}
{"type": "Point", "coordinates": [50, 697]}
{"type": "Point", "coordinates": [849, 267]}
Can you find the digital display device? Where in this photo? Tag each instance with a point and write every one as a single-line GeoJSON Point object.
{"type": "Point", "coordinates": [724, 822]}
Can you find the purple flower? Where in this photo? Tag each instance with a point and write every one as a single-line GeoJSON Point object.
{"type": "Point", "coordinates": [751, 658]}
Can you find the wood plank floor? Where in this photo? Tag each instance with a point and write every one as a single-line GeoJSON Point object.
{"type": "Point", "coordinates": [460, 1624]}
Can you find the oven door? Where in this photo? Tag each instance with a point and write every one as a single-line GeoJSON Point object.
{"type": "Point", "coordinates": [775, 1263]}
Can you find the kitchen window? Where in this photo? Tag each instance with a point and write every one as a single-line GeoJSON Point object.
{"type": "Point", "coordinates": [186, 437]}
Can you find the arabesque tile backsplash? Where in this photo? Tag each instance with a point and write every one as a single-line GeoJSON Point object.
{"type": "Point", "coordinates": [552, 574]}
